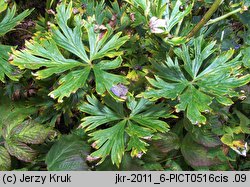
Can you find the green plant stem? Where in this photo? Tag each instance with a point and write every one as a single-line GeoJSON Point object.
{"type": "Point", "coordinates": [171, 51]}
{"type": "Point", "coordinates": [211, 21]}
{"type": "Point", "coordinates": [205, 19]}
{"type": "Point", "coordinates": [178, 28]}
{"type": "Point", "coordinates": [48, 6]}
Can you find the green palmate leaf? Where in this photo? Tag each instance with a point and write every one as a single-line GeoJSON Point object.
{"type": "Point", "coordinates": [10, 21]}
{"type": "Point", "coordinates": [110, 140]}
{"type": "Point", "coordinates": [194, 102]}
{"type": "Point", "coordinates": [105, 80]}
{"type": "Point", "coordinates": [198, 81]}
{"type": "Point", "coordinates": [6, 24]}
{"type": "Point", "coordinates": [95, 8]}
{"type": "Point", "coordinates": [67, 38]}
{"type": "Point", "coordinates": [103, 46]}
{"type": "Point", "coordinates": [70, 83]}
{"type": "Point", "coordinates": [20, 150]}
{"type": "Point", "coordinates": [68, 154]}
{"type": "Point", "coordinates": [45, 52]}
{"type": "Point", "coordinates": [137, 135]}
{"type": "Point", "coordinates": [176, 14]}
{"type": "Point", "coordinates": [143, 6]}
{"type": "Point", "coordinates": [138, 125]}
{"type": "Point", "coordinates": [5, 161]}
{"type": "Point", "coordinates": [5, 67]}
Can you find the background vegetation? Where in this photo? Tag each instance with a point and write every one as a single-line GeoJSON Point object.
{"type": "Point", "coordinates": [124, 85]}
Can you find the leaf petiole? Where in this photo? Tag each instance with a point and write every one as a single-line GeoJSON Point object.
{"type": "Point", "coordinates": [212, 21]}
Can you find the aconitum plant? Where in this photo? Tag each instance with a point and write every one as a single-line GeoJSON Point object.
{"type": "Point", "coordinates": [128, 85]}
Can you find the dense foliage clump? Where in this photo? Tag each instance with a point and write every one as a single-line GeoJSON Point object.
{"type": "Point", "coordinates": [124, 84]}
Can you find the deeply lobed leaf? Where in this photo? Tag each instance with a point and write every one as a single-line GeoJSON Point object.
{"type": "Point", "coordinates": [198, 81]}
{"type": "Point", "coordinates": [45, 52]}
{"type": "Point", "coordinates": [8, 22]}
{"type": "Point", "coordinates": [139, 124]}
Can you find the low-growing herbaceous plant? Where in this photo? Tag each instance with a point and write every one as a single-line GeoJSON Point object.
{"type": "Point", "coordinates": [124, 85]}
